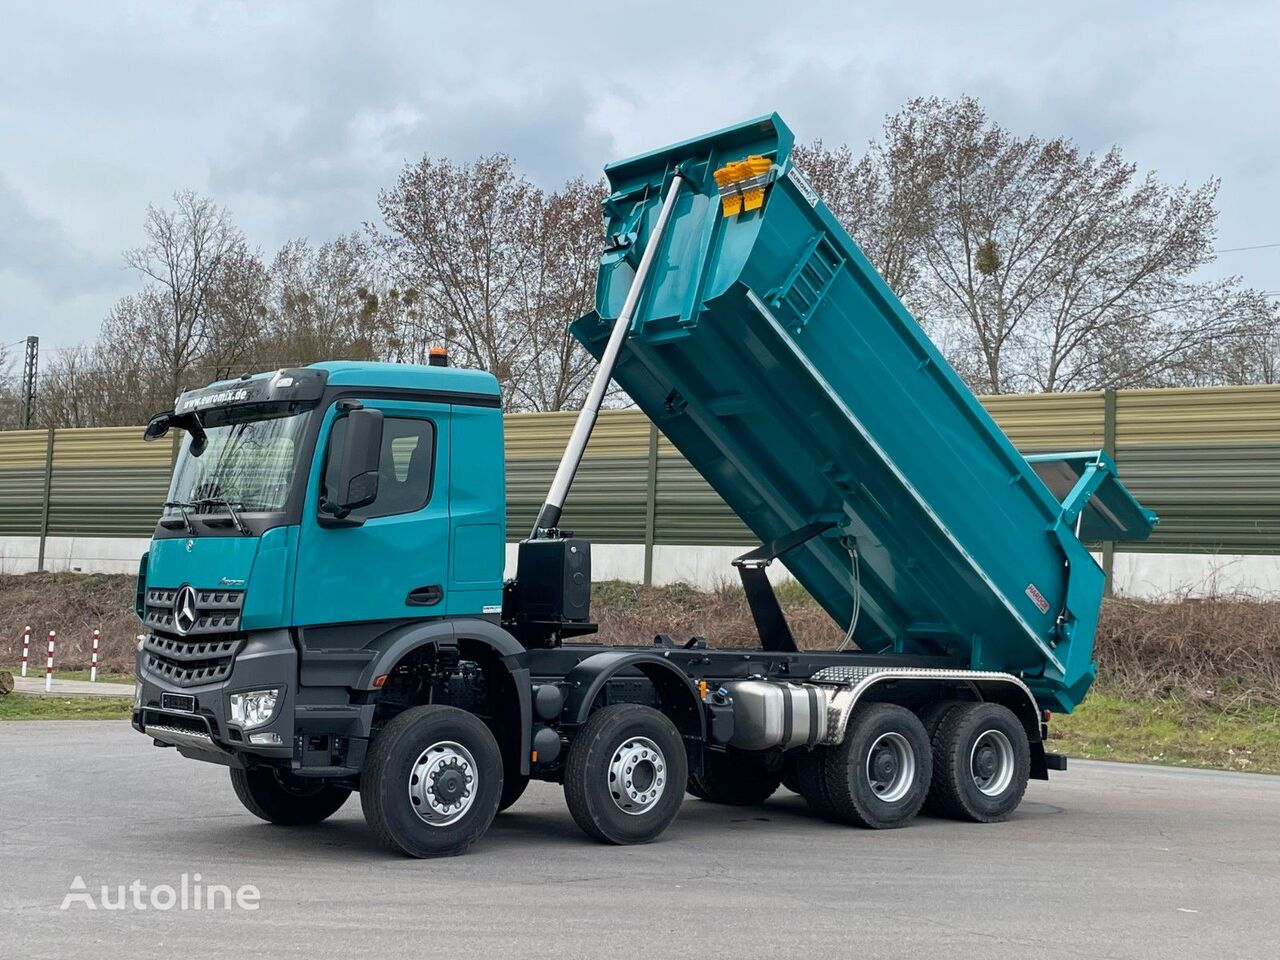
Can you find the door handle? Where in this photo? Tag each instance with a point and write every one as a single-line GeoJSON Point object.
{"type": "Point", "coordinates": [427, 596]}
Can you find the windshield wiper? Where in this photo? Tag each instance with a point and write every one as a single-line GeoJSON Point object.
{"type": "Point", "coordinates": [182, 507]}
{"type": "Point", "coordinates": [231, 510]}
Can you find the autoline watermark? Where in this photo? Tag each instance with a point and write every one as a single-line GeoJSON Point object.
{"type": "Point", "coordinates": [190, 893]}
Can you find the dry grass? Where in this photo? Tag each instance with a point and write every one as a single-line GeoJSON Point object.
{"type": "Point", "coordinates": [1222, 652]}
{"type": "Point", "coordinates": [73, 604]}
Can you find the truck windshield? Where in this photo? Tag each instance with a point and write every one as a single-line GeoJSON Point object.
{"type": "Point", "coordinates": [248, 465]}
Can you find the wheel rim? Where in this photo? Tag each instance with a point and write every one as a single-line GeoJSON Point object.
{"type": "Point", "coordinates": [891, 767]}
{"type": "Point", "coordinates": [991, 763]}
{"type": "Point", "coordinates": [637, 775]}
{"type": "Point", "coordinates": [443, 783]}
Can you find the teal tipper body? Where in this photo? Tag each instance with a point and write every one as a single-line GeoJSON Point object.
{"type": "Point", "coordinates": [775, 358]}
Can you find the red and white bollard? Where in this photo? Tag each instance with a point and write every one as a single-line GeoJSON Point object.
{"type": "Point", "coordinates": [26, 648]}
{"type": "Point", "coordinates": [93, 661]}
{"type": "Point", "coordinates": [48, 665]}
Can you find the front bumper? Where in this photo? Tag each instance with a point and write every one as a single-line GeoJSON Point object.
{"type": "Point", "coordinates": [322, 732]}
{"type": "Point", "coordinates": [193, 717]}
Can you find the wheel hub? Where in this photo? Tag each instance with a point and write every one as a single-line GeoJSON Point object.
{"type": "Point", "coordinates": [637, 775]}
{"type": "Point", "coordinates": [448, 783]}
{"type": "Point", "coordinates": [885, 764]}
{"type": "Point", "coordinates": [891, 767]}
{"type": "Point", "coordinates": [443, 783]}
{"type": "Point", "coordinates": [991, 763]}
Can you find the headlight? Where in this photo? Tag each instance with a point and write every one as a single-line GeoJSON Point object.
{"type": "Point", "coordinates": [254, 708]}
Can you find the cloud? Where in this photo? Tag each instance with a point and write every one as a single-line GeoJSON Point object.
{"type": "Point", "coordinates": [37, 250]}
{"type": "Point", "coordinates": [294, 114]}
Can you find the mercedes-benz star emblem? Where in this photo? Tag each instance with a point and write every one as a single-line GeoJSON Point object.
{"type": "Point", "coordinates": [184, 609]}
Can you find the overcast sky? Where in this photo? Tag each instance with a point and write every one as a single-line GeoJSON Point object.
{"type": "Point", "coordinates": [293, 115]}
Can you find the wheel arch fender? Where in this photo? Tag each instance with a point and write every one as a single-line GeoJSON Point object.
{"type": "Point", "coordinates": [676, 692]}
{"type": "Point", "coordinates": [458, 634]}
{"type": "Point", "coordinates": [984, 686]}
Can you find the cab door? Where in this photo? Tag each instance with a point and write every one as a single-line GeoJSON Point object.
{"type": "Point", "coordinates": [395, 564]}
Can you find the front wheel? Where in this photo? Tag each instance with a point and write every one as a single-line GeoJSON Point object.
{"type": "Point", "coordinates": [282, 797]}
{"type": "Point", "coordinates": [626, 774]}
{"type": "Point", "coordinates": [432, 782]}
{"type": "Point", "coordinates": [513, 788]}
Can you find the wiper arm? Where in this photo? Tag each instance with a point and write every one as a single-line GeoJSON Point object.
{"type": "Point", "coordinates": [231, 510]}
{"type": "Point", "coordinates": [182, 507]}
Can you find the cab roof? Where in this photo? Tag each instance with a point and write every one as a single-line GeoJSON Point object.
{"type": "Point", "coordinates": [407, 376]}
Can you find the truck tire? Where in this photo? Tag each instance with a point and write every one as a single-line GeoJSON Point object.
{"type": "Point", "coordinates": [431, 782]}
{"type": "Point", "coordinates": [513, 788]}
{"type": "Point", "coordinates": [879, 776]}
{"type": "Point", "coordinates": [735, 778]}
{"type": "Point", "coordinates": [626, 774]}
{"type": "Point", "coordinates": [932, 715]}
{"type": "Point", "coordinates": [981, 763]}
{"type": "Point", "coordinates": [790, 778]}
{"type": "Point", "coordinates": [693, 787]}
{"type": "Point", "coordinates": [282, 797]}
{"type": "Point", "coordinates": [811, 781]}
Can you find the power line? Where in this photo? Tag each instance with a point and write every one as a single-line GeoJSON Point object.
{"type": "Point", "coordinates": [1258, 246]}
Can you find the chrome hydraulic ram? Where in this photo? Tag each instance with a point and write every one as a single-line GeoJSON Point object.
{"type": "Point", "coordinates": [549, 515]}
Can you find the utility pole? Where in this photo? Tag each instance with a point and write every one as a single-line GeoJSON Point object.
{"type": "Point", "coordinates": [29, 382]}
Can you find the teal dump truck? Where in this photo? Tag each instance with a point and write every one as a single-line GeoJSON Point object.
{"type": "Point", "coordinates": [324, 602]}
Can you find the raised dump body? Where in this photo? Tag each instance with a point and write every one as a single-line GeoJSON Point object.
{"type": "Point", "coordinates": [774, 357]}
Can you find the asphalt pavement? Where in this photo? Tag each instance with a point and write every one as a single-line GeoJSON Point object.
{"type": "Point", "coordinates": [1104, 861]}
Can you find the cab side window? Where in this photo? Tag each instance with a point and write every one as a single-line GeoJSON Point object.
{"type": "Point", "coordinates": [407, 470]}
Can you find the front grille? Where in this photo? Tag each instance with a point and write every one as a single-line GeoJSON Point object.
{"type": "Point", "coordinates": [217, 611]}
{"type": "Point", "coordinates": [188, 663]}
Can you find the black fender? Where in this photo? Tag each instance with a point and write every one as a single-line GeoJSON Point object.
{"type": "Point", "coordinates": [679, 696]}
{"type": "Point", "coordinates": [394, 645]}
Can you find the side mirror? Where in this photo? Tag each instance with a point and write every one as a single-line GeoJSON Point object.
{"type": "Point", "coordinates": [356, 474]}
{"type": "Point", "coordinates": [158, 426]}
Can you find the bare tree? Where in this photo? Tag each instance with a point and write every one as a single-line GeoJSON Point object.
{"type": "Point", "coordinates": [558, 288]}
{"type": "Point", "coordinates": [185, 258]}
{"type": "Point", "coordinates": [1035, 265]}
{"type": "Point", "coordinates": [324, 304]}
{"type": "Point", "coordinates": [497, 268]}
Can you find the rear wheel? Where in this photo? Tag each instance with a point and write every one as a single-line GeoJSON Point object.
{"type": "Point", "coordinates": [811, 781]}
{"type": "Point", "coordinates": [626, 775]}
{"type": "Point", "coordinates": [982, 761]}
{"type": "Point", "coordinates": [282, 797]}
{"type": "Point", "coordinates": [932, 715]}
{"type": "Point", "coordinates": [432, 781]}
{"type": "Point", "coordinates": [734, 777]}
{"type": "Point", "coordinates": [879, 776]}
{"type": "Point", "coordinates": [790, 779]}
